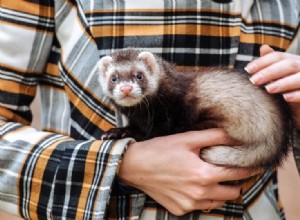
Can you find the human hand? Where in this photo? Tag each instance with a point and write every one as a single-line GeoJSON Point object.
{"type": "Point", "coordinates": [279, 72]}
{"type": "Point", "coordinates": [169, 170]}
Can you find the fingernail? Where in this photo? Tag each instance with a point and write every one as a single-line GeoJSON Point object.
{"type": "Point", "coordinates": [273, 87]}
{"type": "Point", "coordinates": [251, 68]}
{"type": "Point", "coordinates": [288, 97]}
{"type": "Point", "coordinates": [256, 79]}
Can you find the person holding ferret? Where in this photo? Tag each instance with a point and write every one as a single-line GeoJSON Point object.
{"type": "Point", "coordinates": [65, 170]}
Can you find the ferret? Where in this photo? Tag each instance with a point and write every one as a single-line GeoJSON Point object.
{"type": "Point", "coordinates": [157, 99]}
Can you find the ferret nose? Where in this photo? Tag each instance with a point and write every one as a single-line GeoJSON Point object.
{"type": "Point", "coordinates": [126, 89]}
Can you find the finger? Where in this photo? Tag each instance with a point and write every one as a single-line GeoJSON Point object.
{"type": "Point", "coordinates": [276, 71]}
{"type": "Point", "coordinates": [184, 206]}
{"type": "Point", "coordinates": [286, 84]}
{"type": "Point", "coordinates": [267, 60]}
{"type": "Point", "coordinates": [223, 174]}
{"type": "Point", "coordinates": [204, 138]}
{"type": "Point", "coordinates": [223, 192]}
{"type": "Point", "coordinates": [208, 205]}
{"type": "Point", "coordinates": [265, 49]}
{"type": "Point", "coordinates": [292, 97]}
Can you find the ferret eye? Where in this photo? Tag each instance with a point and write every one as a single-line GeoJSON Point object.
{"type": "Point", "coordinates": [139, 76]}
{"type": "Point", "coordinates": [114, 78]}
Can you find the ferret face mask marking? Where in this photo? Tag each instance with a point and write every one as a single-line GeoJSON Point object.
{"type": "Point", "coordinates": [128, 83]}
{"type": "Point", "coordinates": [126, 87]}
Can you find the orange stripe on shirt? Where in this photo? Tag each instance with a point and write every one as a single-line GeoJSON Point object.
{"type": "Point", "coordinates": [90, 164]}
{"type": "Point", "coordinates": [28, 7]}
{"type": "Point", "coordinates": [180, 29]}
{"type": "Point", "coordinates": [11, 116]}
{"type": "Point", "coordinates": [265, 39]}
{"type": "Point", "coordinates": [52, 69]}
{"type": "Point", "coordinates": [16, 87]}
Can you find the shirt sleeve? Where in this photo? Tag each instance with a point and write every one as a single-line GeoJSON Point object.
{"type": "Point", "coordinates": [44, 175]}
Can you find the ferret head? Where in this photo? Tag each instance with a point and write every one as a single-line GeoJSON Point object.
{"type": "Point", "coordinates": [127, 76]}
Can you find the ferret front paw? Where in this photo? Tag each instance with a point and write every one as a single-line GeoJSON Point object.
{"type": "Point", "coordinates": [115, 133]}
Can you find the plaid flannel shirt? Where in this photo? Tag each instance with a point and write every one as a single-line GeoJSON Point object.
{"type": "Point", "coordinates": [64, 171]}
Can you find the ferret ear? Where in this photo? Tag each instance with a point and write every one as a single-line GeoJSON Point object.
{"type": "Point", "coordinates": [150, 60]}
{"type": "Point", "coordinates": [104, 63]}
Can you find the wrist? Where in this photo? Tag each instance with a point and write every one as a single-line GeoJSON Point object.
{"type": "Point", "coordinates": [127, 172]}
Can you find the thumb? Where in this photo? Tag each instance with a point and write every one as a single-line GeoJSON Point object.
{"type": "Point", "coordinates": [265, 49]}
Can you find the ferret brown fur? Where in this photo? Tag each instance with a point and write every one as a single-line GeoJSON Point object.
{"type": "Point", "coordinates": [159, 100]}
